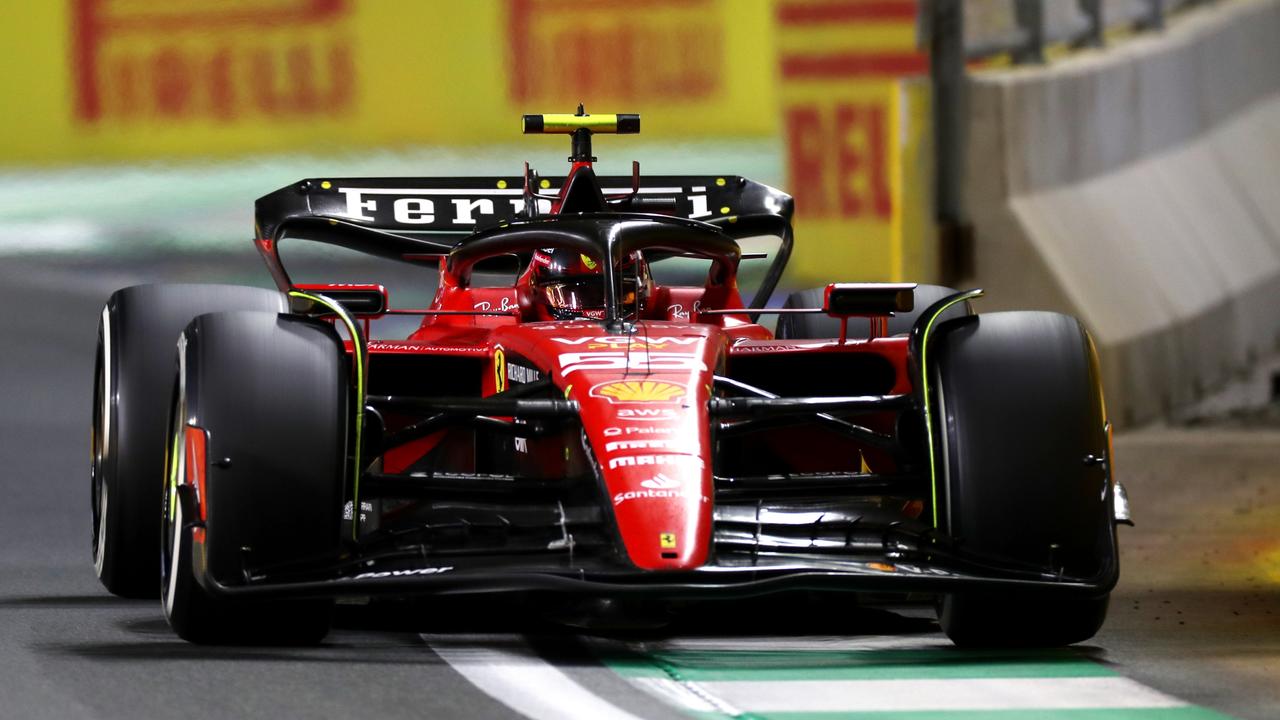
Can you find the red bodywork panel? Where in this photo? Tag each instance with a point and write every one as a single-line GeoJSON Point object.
{"type": "Point", "coordinates": [195, 468]}
{"type": "Point", "coordinates": [643, 400]}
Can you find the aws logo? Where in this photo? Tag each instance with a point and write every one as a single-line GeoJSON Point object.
{"type": "Point", "coordinates": [638, 391]}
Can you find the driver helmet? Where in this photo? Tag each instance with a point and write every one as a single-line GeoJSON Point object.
{"type": "Point", "coordinates": [568, 285]}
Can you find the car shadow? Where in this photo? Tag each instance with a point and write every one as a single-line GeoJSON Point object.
{"type": "Point", "coordinates": [151, 639]}
{"type": "Point", "coordinates": [565, 632]}
{"type": "Point", "coordinates": [525, 613]}
{"type": "Point", "coordinates": [72, 601]}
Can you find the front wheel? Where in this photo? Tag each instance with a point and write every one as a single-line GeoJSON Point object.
{"type": "Point", "coordinates": [132, 375]}
{"type": "Point", "coordinates": [256, 465]}
{"type": "Point", "coordinates": [1019, 415]}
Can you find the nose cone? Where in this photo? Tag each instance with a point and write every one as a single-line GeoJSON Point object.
{"type": "Point", "coordinates": [653, 456]}
{"type": "Point", "coordinates": [647, 424]}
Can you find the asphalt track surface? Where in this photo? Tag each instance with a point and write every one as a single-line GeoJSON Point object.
{"type": "Point", "coordinates": [1194, 630]}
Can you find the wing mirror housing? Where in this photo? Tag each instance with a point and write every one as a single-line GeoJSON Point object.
{"type": "Point", "coordinates": [365, 300]}
{"type": "Point", "coordinates": [876, 301]}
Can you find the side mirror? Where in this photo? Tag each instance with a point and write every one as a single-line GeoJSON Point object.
{"type": "Point", "coordinates": [843, 300]}
{"type": "Point", "coordinates": [876, 301]}
{"type": "Point", "coordinates": [360, 299]}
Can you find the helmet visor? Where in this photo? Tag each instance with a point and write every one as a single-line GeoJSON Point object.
{"type": "Point", "coordinates": [582, 294]}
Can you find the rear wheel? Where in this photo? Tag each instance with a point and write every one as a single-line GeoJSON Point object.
{"type": "Point", "coordinates": [259, 439]}
{"type": "Point", "coordinates": [804, 326]}
{"type": "Point", "coordinates": [1020, 416]}
{"type": "Point", "coordinates": [132, 375]}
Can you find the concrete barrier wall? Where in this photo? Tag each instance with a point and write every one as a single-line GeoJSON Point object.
{"type": "Point", "coordinates": [1138, 188]}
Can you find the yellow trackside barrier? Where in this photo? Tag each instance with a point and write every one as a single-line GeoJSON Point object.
{"type": "Point", "coordinates": [856, 142]}
{"type": "Point", "coordinates": [113, 80]}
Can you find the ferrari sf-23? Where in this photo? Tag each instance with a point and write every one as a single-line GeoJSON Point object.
{"type": "Point", "coordinates": [590, 428]}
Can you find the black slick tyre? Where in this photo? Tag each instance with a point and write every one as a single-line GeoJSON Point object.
{"type": "Point", "coordinates": [1020, 421]}
{"type": "Point", "coordinates": [804, 326]}
{"type": "Point", "coordinates": [133, 373]}
{"type": "Point", "coordinates": [268, 395]}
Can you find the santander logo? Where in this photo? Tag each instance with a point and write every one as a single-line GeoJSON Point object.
{"type": "Point", "coordinates": [660, 482]}
{"type": "Point", "coordinates": [660, 487]}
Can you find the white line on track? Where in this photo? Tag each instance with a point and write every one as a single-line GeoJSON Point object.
{"type": "Point", "coordinates": [940, 695]}
{"type": "Point", "coordinates": [507, 669]}
{"type": "Point", "coordinates": [685, 694]}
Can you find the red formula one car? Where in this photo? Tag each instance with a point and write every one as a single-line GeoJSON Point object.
{"type": "Point", "coordinates": [590, 428]}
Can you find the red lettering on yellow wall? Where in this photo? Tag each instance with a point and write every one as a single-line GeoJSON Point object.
{"type": "Point", "coordinates": [605, 51]}
{"type": "Point", "coordinates": [836, 160]}
{"type": "Point", "coordinates": [806, 157]}
{"type": "Point", "coordinates": [232, 59]}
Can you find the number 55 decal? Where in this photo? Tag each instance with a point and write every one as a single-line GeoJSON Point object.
{"type": "Point", "coordinates": [634, 360]}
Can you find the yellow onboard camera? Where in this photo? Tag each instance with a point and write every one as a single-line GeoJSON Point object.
{"type": "Point", "coordinates": [581, 126]}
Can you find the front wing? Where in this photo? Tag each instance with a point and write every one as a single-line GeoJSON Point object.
{"type": "Point", "coordinates": [904, 566]}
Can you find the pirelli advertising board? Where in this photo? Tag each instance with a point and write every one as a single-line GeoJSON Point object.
{"type": "Point", "coordinates": [103, 80]}
{"type": "Point", "coordinates": [854, 117]}
{"type": "Point", "coordinates": [106, 81]}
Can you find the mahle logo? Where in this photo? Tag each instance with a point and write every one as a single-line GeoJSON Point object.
{"type": "Point", "coordinates": [638, 391]}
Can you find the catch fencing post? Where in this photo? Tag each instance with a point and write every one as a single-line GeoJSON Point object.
{"type": "Point", "coordinates": [945, 24]}
{"type": "Point", "coordinates": [1155, 16]}
{"type": "Point", "coordinates": [1097, 23]}
{"type": "Point", "coordinates": [1030, 16]}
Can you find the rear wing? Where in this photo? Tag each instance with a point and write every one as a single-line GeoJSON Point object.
{"type": "Point", "coordinates": [461, 206]}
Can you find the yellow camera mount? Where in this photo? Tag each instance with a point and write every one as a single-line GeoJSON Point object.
{"type": "Point", "coordinates": [581, 126]}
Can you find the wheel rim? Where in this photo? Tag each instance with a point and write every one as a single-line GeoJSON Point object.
{"type": "Point", "coordinates": [171, 519]}
{"type": "Point", "coordinates": [100, 537]}
{"type": "Point", "coordinates": [99, 443]}
{"type": "Point", "coordinates": [171, 523]}
{"type": "Point", "coordinates": [172, 552]}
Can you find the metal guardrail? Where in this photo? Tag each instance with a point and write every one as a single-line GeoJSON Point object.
{"type": "Point", "coordinates": [1023, 28]}
{"type": "Point", "coordinates": [957, 32]}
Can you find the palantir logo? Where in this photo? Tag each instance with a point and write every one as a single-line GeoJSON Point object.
{"type": "Point", "coordinates": [660, 482]}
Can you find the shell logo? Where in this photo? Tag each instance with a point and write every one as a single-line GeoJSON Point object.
{"type": "Point", "coordinates": [632, 391]}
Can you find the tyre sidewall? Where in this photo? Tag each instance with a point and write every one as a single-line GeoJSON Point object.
{"type": "Point", "coordinates": [1020, 413]}
{"type": "Point", "coordinates": [137, 334]}
{"type": "Point", "coordinates": [271, 394]}
{"type": "Point", "coordinates": [1023, 411]}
